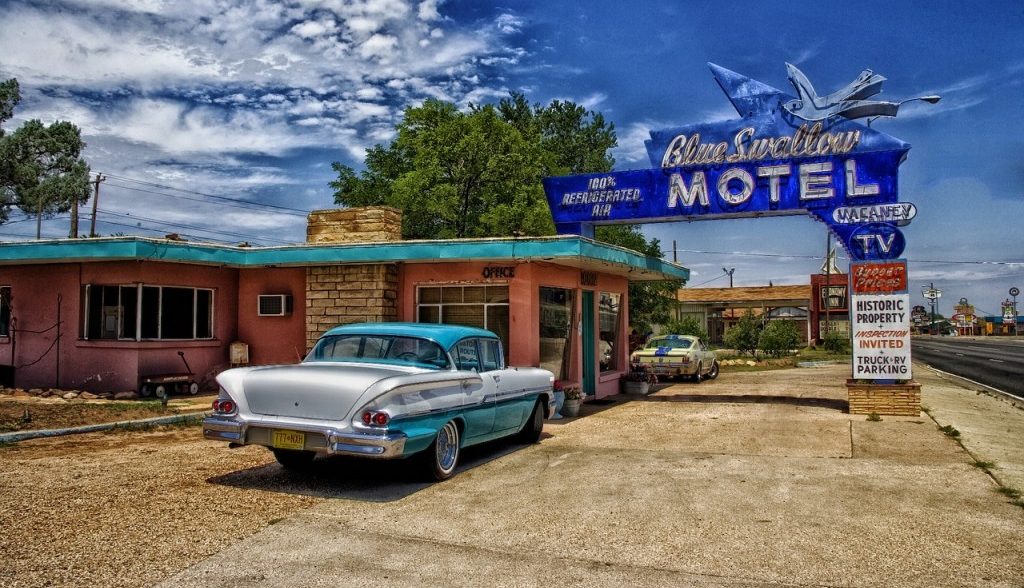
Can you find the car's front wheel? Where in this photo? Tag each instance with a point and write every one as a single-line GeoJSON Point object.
{"type": "Point", "coordinates": [443, 454]}
{"type": "Point", "coordinates": [533, 426]}
{"type": "Point", "coordinates": [713, 372]}
{"type": "Point", "coordinates": [294, 460]}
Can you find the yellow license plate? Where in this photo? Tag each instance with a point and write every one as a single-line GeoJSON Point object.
{"type": "Point", "coordinates": [289, 439]}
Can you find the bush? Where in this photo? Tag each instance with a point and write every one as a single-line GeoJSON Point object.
{"type": "Point", "coordinates": [688, 325]}
{"type": "Point", "coordinates": [744, 335]}
{"type": "Point", "coordinates": [778, 338]}
{"type": "Point", "coordinates": [836, 343]}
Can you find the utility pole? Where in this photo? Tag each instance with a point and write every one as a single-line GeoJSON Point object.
{"type": "Point", "coordinates": [729, 271]}
{"type": "Point", "coordinates": [675, 254]}
{"type": "Point", "coordinates": [95, 199]}
{"type": "Point", "coordinates": [39, 218]}
{"type": "Point", "coordinates": [828, 284]}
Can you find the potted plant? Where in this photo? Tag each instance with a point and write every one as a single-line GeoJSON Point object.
{"type": "Point", "coordinates": [638, 380]}
{"type": "Point", "coordinates": [573, 397]}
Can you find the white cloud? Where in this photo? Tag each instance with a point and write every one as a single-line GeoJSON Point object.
{"type": "Point", "coordinates": [508, 23]}
{"type": "Point", "coordinates": [427, 10]}
{"type": "Point", "coordinates": [378, 47]}
{"type": "Point", "coordinates": [315, 28]}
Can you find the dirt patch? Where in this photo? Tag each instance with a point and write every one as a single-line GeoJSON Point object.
{"type": "Point", "coordinates": [128, 509]}
{"type": "Point", "coordinates": [29, 414]}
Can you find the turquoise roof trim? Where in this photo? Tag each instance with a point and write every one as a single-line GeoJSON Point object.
{"type": "Point", "coordinates": [561, 250]}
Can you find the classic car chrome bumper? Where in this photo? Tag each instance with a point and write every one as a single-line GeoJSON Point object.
{"type": "Point", "coordinates": [326, 439]}
{"type": "Point", "coordinates": [671, 367]}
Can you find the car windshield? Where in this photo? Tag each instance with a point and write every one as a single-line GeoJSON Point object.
{"type": "Point", "coordinates": [670, 343]}
{"type": "Point", "coordinates": [388, 349]}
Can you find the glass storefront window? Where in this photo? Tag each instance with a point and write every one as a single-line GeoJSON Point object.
{"type": "Point", "coordinates": [473, 306]}
{"type": "Point", "coordinates": [556, 329]}
{"type": "Point", "coordinates": [608, 324]}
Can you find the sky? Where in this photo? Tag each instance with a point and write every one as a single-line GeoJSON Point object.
{"type": "Point", "coordinates": [219, 119]}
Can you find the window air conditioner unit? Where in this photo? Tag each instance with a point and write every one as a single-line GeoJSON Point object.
{"type": "Point", "coordinates": [275, 304]}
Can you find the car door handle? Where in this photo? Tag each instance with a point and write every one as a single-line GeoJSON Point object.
{"type": "Point", "coordinates": [497, 378]}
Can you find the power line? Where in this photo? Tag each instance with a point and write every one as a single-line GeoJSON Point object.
{"type": "Point", "coordinates": [192, 227]}
{"type": "Point", "coordinates": [243, 205]}
{"type": "Point", "coordinates": [213, 196]}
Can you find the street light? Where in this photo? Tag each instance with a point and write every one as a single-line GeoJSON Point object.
{"type": "Point", "coordinates": [930, 99]}
{"type": "Point", "coordinates": [730, 272]}
{"type": "Point", "coordinates": [1015, 291]}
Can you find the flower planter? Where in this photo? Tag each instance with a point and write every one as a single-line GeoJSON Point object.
{"type": "Point", "coordinates": [884, 399]}
{"type": "Point", "coordinates": [571, 407]}
{"type": "Point", "coordinates": [642, 388]}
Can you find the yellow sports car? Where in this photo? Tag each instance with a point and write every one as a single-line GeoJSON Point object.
{"type": "Point", "coordinates": [678, 355]}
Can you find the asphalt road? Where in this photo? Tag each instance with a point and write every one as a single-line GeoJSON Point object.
{"type": "Point", "coordinates": [995, 362]}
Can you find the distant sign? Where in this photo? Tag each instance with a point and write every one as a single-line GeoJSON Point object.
{"type": "Point", "coordinates": [881, 336]}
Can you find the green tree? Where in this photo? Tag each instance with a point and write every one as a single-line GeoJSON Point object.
{"type": "Point", "coordinates": [41, 168]}
{"type": "Point", "coordinates": [688, 325]}
{"type": "Point", "coordinates": [453, 174]}
{"type": "Point", "coordinates": [778, 338]}
{"type": "Point", "coordinates": [743, 336]}
{"type": "Point", "coordinates": [573, 140]}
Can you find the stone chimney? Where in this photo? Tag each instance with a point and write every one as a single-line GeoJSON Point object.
{"type": "Point", "coordinates": [340, 294]}
{"type": "Point", "coordinates": [354, 225]}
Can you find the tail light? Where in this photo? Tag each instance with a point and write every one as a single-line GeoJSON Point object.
{"type": "Point", "coordinates": [375, 419]}
{"type": "Point", "coordinates": [223, 406]}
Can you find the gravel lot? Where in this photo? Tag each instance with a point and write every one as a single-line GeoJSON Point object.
{"type": "Point", "coordinates": [130, 508]}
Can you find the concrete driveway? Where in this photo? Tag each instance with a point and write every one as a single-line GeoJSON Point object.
{"type": "Point", "coordinates": [753, 479]}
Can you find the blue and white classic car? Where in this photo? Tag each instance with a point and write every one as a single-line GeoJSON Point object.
{"type": "Point", "coordinates": [384, 390]}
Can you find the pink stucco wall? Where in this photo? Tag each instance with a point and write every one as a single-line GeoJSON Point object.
{"type": "Point", "coordinates": [272, 339]}
{"type": "Point", "coordinates": [107, 365]}
{"type": "Point", "coordinates": [524, 307]}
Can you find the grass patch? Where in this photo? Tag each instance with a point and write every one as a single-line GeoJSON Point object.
{"type": "Point", "coordinates": [874, 418]}
{"type": "Point", "coordinates": [984, 465]}
{"type": "Point", "coordinates": [950, 431]}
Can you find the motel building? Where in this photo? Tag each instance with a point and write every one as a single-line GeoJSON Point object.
{"type": "Point", "coordinates": [101, 314]}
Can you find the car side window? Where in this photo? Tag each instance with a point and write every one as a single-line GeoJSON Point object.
{"type": "Point", "coordinates": [466, 355]}
{"type": "Point", "coordinates": [492, 358]}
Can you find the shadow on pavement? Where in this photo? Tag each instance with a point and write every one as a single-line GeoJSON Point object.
{"type": "Point", "coordinates": [833, 403]}
{"type": "Point", "coordinates": [352, 478]}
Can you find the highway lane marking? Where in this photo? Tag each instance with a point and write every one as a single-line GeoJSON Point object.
{"type": "Point", "coordinates": [997, 360]}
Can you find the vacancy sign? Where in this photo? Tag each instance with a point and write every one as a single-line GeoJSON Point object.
{"type": "Point", "coordinates": [880, 320]}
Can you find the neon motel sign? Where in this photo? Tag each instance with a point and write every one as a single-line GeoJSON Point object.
{"type": "Point", "coordinates": [783, 156]}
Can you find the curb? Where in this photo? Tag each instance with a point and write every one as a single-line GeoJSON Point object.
{"type": "Point", "coordinates": [167, 420]}
{"type": "Point", "coordinates": [978, 386]}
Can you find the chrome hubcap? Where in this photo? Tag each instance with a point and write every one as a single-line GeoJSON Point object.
{"type": "Point", "coordinates": [447, 447]}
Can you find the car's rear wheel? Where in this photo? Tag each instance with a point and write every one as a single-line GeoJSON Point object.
{"type": "Point", "coordinates": [713, 373]}
{"type": "Point", "coordinates": [533, 426]}
{"type": "Point", "coordinates": [697, 377]}
{"type": "Point", "coordinates": [443, 454]}
{"type": "Point", "coordinates": [294, 460]}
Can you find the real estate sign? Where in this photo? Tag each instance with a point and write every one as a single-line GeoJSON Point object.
{"type": "Point", "coordinates": [880, 321]}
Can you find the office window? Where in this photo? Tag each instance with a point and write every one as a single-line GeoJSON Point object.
{"type": "Point", "coordinates": [473, 306]}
